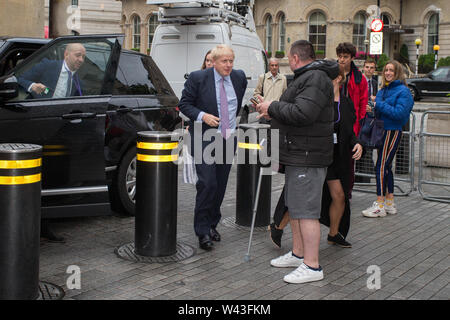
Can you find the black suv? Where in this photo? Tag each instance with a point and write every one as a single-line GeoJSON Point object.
{"type": "Point", "coordinates": [434, 84]}
{"type": "Point", "coordinates": [87, 130]}
{"type": "Point", "coordinates": [14, 50]}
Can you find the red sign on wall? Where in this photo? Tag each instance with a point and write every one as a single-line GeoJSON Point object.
{"type": "Point", "coordinates": [46, 32]}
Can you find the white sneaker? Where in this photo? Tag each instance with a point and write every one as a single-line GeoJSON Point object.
{"type": "Point", "coordinates": [303, 274]}
{"type": "Point", "coordinates": [375, 211]}
{"type": "Point", "coordinates": [390, 208]}
{"type": "Point", "coordinates": [286, 261]}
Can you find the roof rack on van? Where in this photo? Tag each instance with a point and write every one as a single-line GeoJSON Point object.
{"type": "Point", "coordinates": [184, 11]}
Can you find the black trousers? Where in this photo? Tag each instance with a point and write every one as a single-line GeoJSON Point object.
{"type": "Point", "coordinates": [211, 187]}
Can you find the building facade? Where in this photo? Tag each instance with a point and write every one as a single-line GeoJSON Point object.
{"type": "Point", "coordinates": [68, 17]}
{"type": "Point", "coordinates": [138, 23]}
{"type": "Point", "coordinates": [327, 23]}
{"type": "Point", "coordinates": [22, 18]}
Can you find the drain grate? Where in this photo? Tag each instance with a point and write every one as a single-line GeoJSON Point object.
{"type": "Point", "coordinates": [126, 252]}
{"type": "Point", "coordinates": [50, 291]}
{"type": "Point", "coordinates": [231, 222]}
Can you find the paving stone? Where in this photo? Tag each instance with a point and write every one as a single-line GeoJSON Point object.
{"type": "Point", "coordinates": [411, 249]}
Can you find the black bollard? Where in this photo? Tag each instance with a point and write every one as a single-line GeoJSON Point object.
{"type": "Point", "coordinates": [20, 218]}
{"type": "Point", "coordinates": [156, 194]}
{"type": "Point", "coordinates": [249, 150]}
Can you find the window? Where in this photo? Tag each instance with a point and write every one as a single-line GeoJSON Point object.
{"type": "Point", "coordinates": [386, 20]}
{"type": "Point", "coordinates": [269, 33]}
{"type": "Point", "coordinates": [136, 32]}
{"type": "Point", "coordinates": [75, 3]}
{"type": "Point", "coordinates": [318, 33]}
{"type": "Point", "coordinates": [138, 74]}
{"type": "Point", "coordinates": [281, 33]}
{"type": "Point", "coordinates": [433, 32]}
{"type": "Point", "coordinates": [440, 74]}
{"type": "Point", "coordinates": [359, 31]}
{"type": "Point", "coordinates": [46, 76]}
{"type": "Point", "coordinates": [152, 24]}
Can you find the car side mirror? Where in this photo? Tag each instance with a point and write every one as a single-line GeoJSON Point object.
{"type": "Point", "coordinates": [9, 90]}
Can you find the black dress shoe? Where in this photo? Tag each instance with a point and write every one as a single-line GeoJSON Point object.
{"type": "Point", "coordinates": [205, 242]}
{"type": "Point", "coordinates": [215, 236]}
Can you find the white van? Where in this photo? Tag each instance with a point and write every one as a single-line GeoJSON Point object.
{"type": "Point", "coordinates": [188, 30]}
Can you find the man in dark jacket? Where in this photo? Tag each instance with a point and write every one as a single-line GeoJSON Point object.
{"type": "Point", "coordinates": [304, 118]}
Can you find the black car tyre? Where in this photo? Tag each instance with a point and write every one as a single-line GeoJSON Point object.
{"type": "Point", "coordinates": [414, 93]}
{"type": "Point", "coordinates": [125, 182]}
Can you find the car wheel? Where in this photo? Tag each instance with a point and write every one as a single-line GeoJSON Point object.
{"type": "Point", "coordinates": [125, 182]}
{"type": "Point", "coordinates": [414, 93]}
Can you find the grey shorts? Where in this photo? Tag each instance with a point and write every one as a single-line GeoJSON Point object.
{"type": "Point", "coordinates": [303, 187]}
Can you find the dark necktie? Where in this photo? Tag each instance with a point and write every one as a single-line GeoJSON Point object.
{"type": "Point", "coordinates": [69, 84]}
{"type": "Point", "coordinates": [224, 116]}
{"type": "Point", "coordinates": [370, 87]}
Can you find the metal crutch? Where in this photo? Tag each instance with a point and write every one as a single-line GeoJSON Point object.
{"type": "Point", "coordinates": [255, 208]}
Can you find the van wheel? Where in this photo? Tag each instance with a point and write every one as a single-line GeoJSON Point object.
{"type": "Point", "coordinates": [124, 183]}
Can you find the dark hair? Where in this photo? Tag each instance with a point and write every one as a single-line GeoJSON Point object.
{"type": "Point", "coordinates": [346, 47]}
{"type": "Point", "coordinates": [204, 60]}
{"type": "Point", "coordinates": [370, 61]}
{"type": "Point", "coordinates": [303, 49]}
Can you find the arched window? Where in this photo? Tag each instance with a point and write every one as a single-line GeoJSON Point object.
{"type": "Point", "coordinates": [152, 24]}
{"type": "Point", "coordinates": [136, 32]}
{"type": "Point", "coordinates": [359, 31]}
{"type": "Point", "coordinates": [318, 33]}
{"type": "Point", "coordinates": [281, 32]}
{"type": "Point", "coordinates": [433, 32]}
{"type": "Point", "coordinates": [269, 33]}
{"type": "Point", "coordinates": [386, 20]}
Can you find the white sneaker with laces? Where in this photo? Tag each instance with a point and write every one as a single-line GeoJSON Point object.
{"type": "Point", "coordinates": [390, 208]}
{"type": "Point", "coordinates": [304, 274]}
{"type": "Point", "coordinates": [286, 261]}
{"type": "Point", "coordinates": [375, 211]}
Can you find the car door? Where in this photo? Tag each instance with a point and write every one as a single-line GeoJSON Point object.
{"type": "Point", "coordinates": [71, 128]}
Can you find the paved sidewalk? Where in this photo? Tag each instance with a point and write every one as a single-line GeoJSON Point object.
{"type": "Point", "coordinates": [411, 249]}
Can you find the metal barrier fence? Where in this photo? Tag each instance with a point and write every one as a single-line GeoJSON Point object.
{"type": "Point", "coordinates": [402, 166]}
{"type": "Point", "coordinates": [434, 156]}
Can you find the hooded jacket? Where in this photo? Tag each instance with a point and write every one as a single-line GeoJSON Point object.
{"type": "Point", "coordinates": [393, 105]}
{"type": "Point", "coordinates": [304, 116]}
{"type": "Point", "coordinates": [359, 93]}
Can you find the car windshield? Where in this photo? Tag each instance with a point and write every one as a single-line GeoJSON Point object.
{"type": "Point", "coordinates": [440, 73]}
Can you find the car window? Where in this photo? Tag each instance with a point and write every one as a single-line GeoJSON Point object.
{"type": "Point", "coordinates": [138, 74]}
{"type": "Point", "coordinates": [65, 69]}
{"type": "Point", "coordinates": [2, 43]}
{"type": "Point", "coordinates": [440, 74]}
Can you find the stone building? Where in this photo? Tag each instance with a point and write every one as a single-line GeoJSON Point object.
{"type": "Point", "coordinates": [327, 23]}
{"type": "Point", "coordinates": [138, 23]}
{"type": "Point", "coordinates": [83, 16]}
{"type": "Point", "coordinates": [23, 18]}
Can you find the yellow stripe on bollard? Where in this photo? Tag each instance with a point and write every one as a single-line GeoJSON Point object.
{"type": "Point", "coordinates": [20, 179]}
{"type": "Point", "coordinates": [157, 158]}
{"type": "Point", "coordinates": [20, 164]}
{"type": "Point", "coordinates": [254, 146]}
{"type": "Point", "coordinates": [157, 146]}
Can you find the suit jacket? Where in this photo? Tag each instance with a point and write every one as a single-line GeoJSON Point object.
{"type": "Point", "coordinates": [47, 72]}
{"type": "Point", "coordinates": [199, 94]}
{"type": "Point", "coordinates": [374, 86]}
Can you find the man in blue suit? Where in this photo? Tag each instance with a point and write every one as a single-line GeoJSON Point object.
{"type": "Point", "coordinates": [213, 97]}
{"type": "Point", "coordinates": [55, 78]}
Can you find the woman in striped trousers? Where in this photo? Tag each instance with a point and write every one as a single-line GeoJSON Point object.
{"type": "Point", "coordinates": [393, 105]}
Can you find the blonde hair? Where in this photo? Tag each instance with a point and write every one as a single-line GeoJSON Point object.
{"type": "Point", "coordinates": [221, 50]}
{"type": "Point", "coordinates": [399, 74]}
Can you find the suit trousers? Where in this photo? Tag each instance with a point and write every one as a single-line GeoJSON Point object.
{"type": "Point", "coordinates": [211, 187]}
